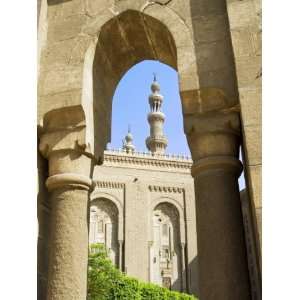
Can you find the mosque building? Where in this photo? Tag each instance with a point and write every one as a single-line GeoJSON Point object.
{"type": "Point", "coordinates": [143, 208]}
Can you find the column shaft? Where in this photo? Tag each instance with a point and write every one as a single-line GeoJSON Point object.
{"type": "Point", "coordinates": [69, 183]}
{"type": "Point", "coordinates": [221, 243]}
{"type": "Point", "coordinates": [69, 245]}
{"type": "Point", "coordinates": [120, 255]}
{"type": "Point", "coordinates": [184, 269]}
{"type": "Point", "coordinates": [214, 140]}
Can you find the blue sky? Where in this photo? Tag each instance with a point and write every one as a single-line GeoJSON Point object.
{"type": "Point", "coordinates": [130, 106]}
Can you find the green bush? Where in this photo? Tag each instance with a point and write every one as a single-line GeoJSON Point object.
{"type": "Point", "coordinates": [105, 282]}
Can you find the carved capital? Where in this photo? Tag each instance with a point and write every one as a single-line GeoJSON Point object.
{"type": "Point", "coordinates": [213, 133]}
{"type": "Point", "coordinates": [212, 127]}
{"type": "Point", "coordinates": [63, 140]}
{"type": "Point", "coordinates": [225, 121]}
{"type": "Point", "coordinates": [68, 180]}
{"type": "Point", "coordinates": [64, 129]}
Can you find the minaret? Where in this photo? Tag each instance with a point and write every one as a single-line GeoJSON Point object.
{"type": "Point", "coordinates": [127, 142]}
{"type": "Point", "coordinates": [156, 142]}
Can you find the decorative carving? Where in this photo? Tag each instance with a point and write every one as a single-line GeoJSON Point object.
{"type": "Point", "coordinates": [109, 184]}
{"type": "Point", "coordinates": [147, 159]}
{"type": "Point", "coordinates": [166, 189]}
{"type": "Point", "coordinates": [64, 129]}
{"type": "Point", "coordinates": [166, 249]}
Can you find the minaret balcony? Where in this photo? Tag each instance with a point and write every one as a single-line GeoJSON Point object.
{"type": "Point", "coordinates": [156, 116]}
{"type": "Point", "coordinates": [152, 142]}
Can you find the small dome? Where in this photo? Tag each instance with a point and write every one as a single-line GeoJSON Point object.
{"type": "Point", "coordinates": [155, 86]}
{"type": "Point", "coordinates": [129, 137]}
{"type": "Point", "coordinates": [127, 142]}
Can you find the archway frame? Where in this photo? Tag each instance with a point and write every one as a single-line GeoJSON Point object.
{"type": "Point", "coordinates": [177, 206]}
{"type": "Point", "coordinates": [81, 102]}
{"type": "Point", "coordinates": [98, 195]}
{"type": "Point", "coordinates": [184, 62]}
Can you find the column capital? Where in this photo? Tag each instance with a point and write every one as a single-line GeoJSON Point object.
{"type": "Point", "coordinates": [227, 163]}
{"type": "Point", "coordinates": [226, 120]}
{"type": "Point", "coordinates": [64, 129]}
{"type": "Point", "coordinates": [214, 135]}
{"type": "Point", "coordinates": [66, 180]}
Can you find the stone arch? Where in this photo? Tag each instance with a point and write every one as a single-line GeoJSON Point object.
{"type": "Point", "coordinates": [178, 207]}
{"type": "Point", "coordinates": [121, 41]}
{"type": "Point", "coordinates": [102, 195]}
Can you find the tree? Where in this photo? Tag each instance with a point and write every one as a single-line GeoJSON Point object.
{"type": "Point", "coordinates": [106, 282]}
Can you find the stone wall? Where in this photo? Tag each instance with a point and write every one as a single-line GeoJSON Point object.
{"type": "Point", "coordinates": [139, 182]}
{"type": "Point", "coordinates": [250, 237]}
{"type": "Point", "coordinates": [246, 31]}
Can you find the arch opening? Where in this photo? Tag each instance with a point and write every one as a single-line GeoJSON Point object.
{"type": "Point", "coordinates": [130, 108]}
{"type": "Point", "coordinates": [124, 41]}
{"type": "Point", "coordinates": [104, 226]}
{"type": "Point", "coordinates": [166, 257]}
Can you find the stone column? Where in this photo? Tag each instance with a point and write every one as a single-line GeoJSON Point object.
{"type": "Point", "coordinates": [184, 269]}
{"type": "Point", "coordinates": [214, 140]}
{"type": "Point", "coordinates": [120, 254]}
{"type": "Point", "coordinates": [69, 169]}
{"type": "Point", "coordinates": [150, 244]}
{"type": "Point", "coordinates": [67, 277]}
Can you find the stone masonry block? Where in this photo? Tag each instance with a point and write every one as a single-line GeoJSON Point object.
{"type": "Point", "coordinates": [67, 52]}
{"type": "Point", "coordinates": [65, 28]}
{"type": "Point", "coordinates": [204, 7]}
{"type": "Point", "coordinates": [241, 14]}
{"type": "Point", "coordinates": [95, 7]}
{"type": "Point", "coordinates": [214, 55]}
{"type": "Point", "coordinates": [250, 100]}
{"type": "Point", "coordinates": [242, 42]}
{"type": "Point", "coordinates": [255, 179]}
{"type": "Point", "coordinates": [249, 71]}
{"type": "Point", "coordinates": [181, 10]}
{"type": "Point", "coordinates": [58, 81]}
{"type": "Point", "coordinates": [210, 28]}
{"type": "Point", "coordinates": [55, 101]}
{"type": "Point", "coordinates": [246, 41]}
{"type": "Point", "coordinates": [65, 9]}
{"type": "Point", "coordinates": [252, 142]}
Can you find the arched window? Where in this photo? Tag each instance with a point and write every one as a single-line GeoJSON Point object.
{"type": "Point", "coordinates": [165, 253]}
{"type": "Point", "coordinates": [104, 226]}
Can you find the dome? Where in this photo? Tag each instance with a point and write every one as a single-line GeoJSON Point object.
{"type": "Point", "coordinates": [155, 86]}
{"type": "Point", "coordinates": [129, 137]}
{"type": "Point", "coordinates": [127, 142]}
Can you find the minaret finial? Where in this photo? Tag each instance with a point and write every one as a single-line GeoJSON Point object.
{"type": "Point", "coordinates": [127, 142]}
{"type": "Point", "coordinates": [154, 76]}
{"type": "Point", "coordinates": [156, 142]}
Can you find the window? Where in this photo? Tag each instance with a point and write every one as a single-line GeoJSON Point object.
{"type": "Point", "coordinates": [100, 226]}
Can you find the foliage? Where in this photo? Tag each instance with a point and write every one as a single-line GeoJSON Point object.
{"type": "Point", "coordinates": [105, 282]}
